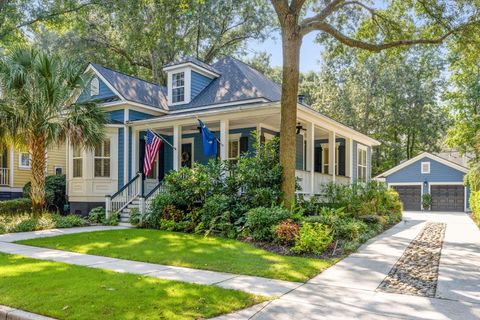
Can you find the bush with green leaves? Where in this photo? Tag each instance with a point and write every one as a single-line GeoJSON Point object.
{"type": "Point", "coordinates": [24, 222]}
{"type": "Point", "coordinates": [19, 205]}
{"type": "Point", "coordinates": [426, 201]}
{"type": "Point", "coordinates": [55, 192]}
{"type": "Point", "coordinates": [97, 215]}
{"type": "Point", "coordinates": [313, 238]}
{"type": "Point", "coordinates": [475, 206]}
{"type": "Point", "coordinates": [261, 222]}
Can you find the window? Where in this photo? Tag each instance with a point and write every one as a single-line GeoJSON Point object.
{"type": "Point", "coordinates": [102, 159]}
{"type": "Point", "coordinates": [425, 167]}
{"type": "Point", "coordinates": [77, 162]}
{"type": "Point", "coordinates": [94, 87]}
{"type": "Point", "coordinates": [233, 149]}
{"type": "Point", "coordinates": [58, 170]}
{"type": "Point", "coordinates": [178, 87]}
{"type": "Point", "coordinates": [361, 164]}
{"type": "Point", "coordinates": [326, 160]}
{"type": "Point", "coordinates": [24, 160]}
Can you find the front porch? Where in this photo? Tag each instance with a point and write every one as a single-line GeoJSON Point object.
{"type": "Point", "coordinates": [6, 173]}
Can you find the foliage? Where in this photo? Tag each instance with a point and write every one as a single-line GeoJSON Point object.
{"type": "Point", "coordinates": [27, 221]}
{"type": "Point", "coordinates": [37, 110]}
{"type": "Point", "coordinates": [286, 232]}
{"type": "Point", "coordinates": [55, 192]}
{"type": "Point", "coordinates": [261, 222]}
{"type": "Point", "coordinates": [15, 206]}
{"type": "Point", "coordinates": [97, 215]}
{"type": "Point", "coordinates": [475, 206]}
{"type": "Point", "coordinates": [312, 238]}
{"type": "Point", "coordinates": [426, 201]}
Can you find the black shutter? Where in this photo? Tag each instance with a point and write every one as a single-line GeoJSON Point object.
{"type": "Point", "coordinates": [243, 144]}
{"type": "Point", "coordinates": [141, 153]}
{"type": "Point", "coordinates": [318, 159]}
{"type": "Point", "coordinates": [341, 160]}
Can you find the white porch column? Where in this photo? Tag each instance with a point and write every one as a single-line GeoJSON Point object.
{"type": "Point", "coordinates": [332, 146]}
{"type": "Point", "coordinates": [12, 152]}
{"type": "Point", "coordinates": [177, 144]}
{"type": "Point", "coordinates": [311, 155]}
{"type": "Point", "coordinates": [224, 132]}
{"type": "Point", "coordinates": [348, 157]}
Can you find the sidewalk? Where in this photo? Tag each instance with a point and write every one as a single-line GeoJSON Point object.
{"type": "Point", "coordinates": [251, 284]}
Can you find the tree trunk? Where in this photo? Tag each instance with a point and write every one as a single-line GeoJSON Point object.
{"type": "Point", "coordinates": [37, 192]}
{"type": "Point", "coordinates": [291, 42]}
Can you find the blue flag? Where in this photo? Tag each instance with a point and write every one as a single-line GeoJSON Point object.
{"type": "Point", "coordinates": [209, 140]}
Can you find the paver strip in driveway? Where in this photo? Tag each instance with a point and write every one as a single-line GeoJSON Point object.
{"type": "Point", "coordinates": [347, 290]}
{"type": "Point", "coordinates": [250, 284]}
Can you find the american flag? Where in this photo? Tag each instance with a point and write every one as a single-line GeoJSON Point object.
{"type": "Point", "coordinates": [152, 145]}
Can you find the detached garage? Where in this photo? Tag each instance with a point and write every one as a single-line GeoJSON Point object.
{"type": "Point", "coordinates": [429, 173]}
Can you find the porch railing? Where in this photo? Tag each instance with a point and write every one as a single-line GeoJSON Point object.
{"type": "Point", "coordinates": [319, 180]}
{"type": "Point", "coordinates": [4, 176]}
{"type": "Point", "coordinates": [160, 187]}
{"type": "Point", "coordinates": [123, 197]}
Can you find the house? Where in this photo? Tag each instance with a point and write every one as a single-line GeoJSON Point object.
{"type": "Point", "coordinates": [15, 170]}
{"type": "Point", "coordinates": [434, 174]}
{"type": "Point", "coordinates": [232, 99]}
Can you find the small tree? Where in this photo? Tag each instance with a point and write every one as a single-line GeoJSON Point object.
{"type": "Point", "coordinates": [357, 24]}
{"type": "Point", "coordinates": [38, 109]}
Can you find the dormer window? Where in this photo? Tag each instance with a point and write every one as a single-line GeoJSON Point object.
{"type": "Point", "coordinates": [94, 87]}
{"type": "Point", "coordinates": [178, 87]}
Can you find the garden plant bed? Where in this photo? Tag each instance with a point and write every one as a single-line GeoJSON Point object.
{"type": "Point", "coordinates": [107, 294]}
{"type": "Point", "coordinates": [187, 250]}
{"type": "Point", "coordinates": [416, 272]}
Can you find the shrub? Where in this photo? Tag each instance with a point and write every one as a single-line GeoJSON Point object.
{"type": "Point", "coordinates": [68, 221]}
{"type": "Point", "coordinates": [260, 222]}
{"type": "Point", "coordinates": [312, 238]}
{"type": "Point", "coordinates": [475, 206]}
{"type": "Point", "coordinates": [29, 224]}
{"type": "Point", "coordinates": [426, 201]}
{"type": "Point", "coordinates": [15, 206]}
{"type": "Point", "coordinates": [286, 231]}
{"type": "Point", "coordinates": [55, 192]}
{"type": "Point", "coordinates": [152, 218]}
{"type": "Point", "coordinates": [97, 215]}
{"type": "Point", "coordinates": [350, 229]}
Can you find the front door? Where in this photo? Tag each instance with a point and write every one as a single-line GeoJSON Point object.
{"type": "Point", "coordinates": [186, 155]}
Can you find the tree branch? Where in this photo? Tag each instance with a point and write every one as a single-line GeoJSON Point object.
{"type": "Point", "coordinates": [376, 47]}
{"type": "Point", "coordinates": [322, 15]}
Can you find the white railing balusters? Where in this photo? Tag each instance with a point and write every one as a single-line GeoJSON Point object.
{"type": "Point", "coordinates": [125, 195]}
{"type": "Point", "coordinates": [4, 176]}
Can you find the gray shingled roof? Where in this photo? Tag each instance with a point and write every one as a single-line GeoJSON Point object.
{"type": "Point", "coordinates": [135, 89]}
{"type": "Point", "coordinates": [193, 60]}
{"type": "Point", "coordinates": [237, 82]}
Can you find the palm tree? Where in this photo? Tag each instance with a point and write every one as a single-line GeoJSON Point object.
{"type": "Point", "coordinates": [38, 109]}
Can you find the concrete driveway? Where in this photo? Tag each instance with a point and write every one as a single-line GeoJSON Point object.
{"type": "Point", "coordinates": [350, 289]}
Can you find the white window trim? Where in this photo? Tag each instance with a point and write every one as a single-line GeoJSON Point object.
{"type": "Point", "coordinates": [94, 87]}
{"type": "Point", "coordinates": [192, 142]}
{"type": "Point", "coordinates": [81, 157]}
{"type": "Point", "coordinates": [178, 87]}
{"type": "Point", "coordinates": [55, 167]}
{"type": "Point", "coordinates": [421, 167]}
{"type": "Point", "coordinates": [20, 166]}
{"type": "Point", "coordinates": [361, 148]}
{"type": "Point", "coordinates": [231, 138]}
{"type": "Point", "coordinates": [103, 157]}
{"type": "Point", "coordinates": [326, 146]}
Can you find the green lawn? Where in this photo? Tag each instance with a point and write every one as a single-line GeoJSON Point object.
{"type": "Point", "coordinates": [73, 292]}
{"type": "Point", "coordinates": [186, 250]}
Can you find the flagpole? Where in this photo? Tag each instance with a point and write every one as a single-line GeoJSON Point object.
{"type": "Point", "coordinates": [218, 140]}
{"type": "Point", "coordinates": [163, 139]}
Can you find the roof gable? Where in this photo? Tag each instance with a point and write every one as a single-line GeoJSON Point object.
{"type": "Point", "coordinates": [105, 93]}
{"type": "Point", "coordinates": [134, 89]}
{"type": "Point", "coordinates": [417, 159]}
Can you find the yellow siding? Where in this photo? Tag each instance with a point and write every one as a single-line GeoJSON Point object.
{"type": "Point", "coordinates": [56, 156]}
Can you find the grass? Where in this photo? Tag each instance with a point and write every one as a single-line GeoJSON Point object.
{"type": "Point", "coordinates": [187, 250]}
{"type": "Point", "coordinates": [74, 292]}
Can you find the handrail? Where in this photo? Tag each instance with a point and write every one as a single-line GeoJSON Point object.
{"type": "Point", "coordinates": [123, 197]}
{"type": "Point", "coordinates": [156, 190]}
{"type": "Point", "coordinates": [4, 176]}
{"type": "Point", "coordinates": [151, 193]}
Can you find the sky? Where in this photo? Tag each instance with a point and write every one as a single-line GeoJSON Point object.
{"type": "Point", "coordinates": [310, 53]}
